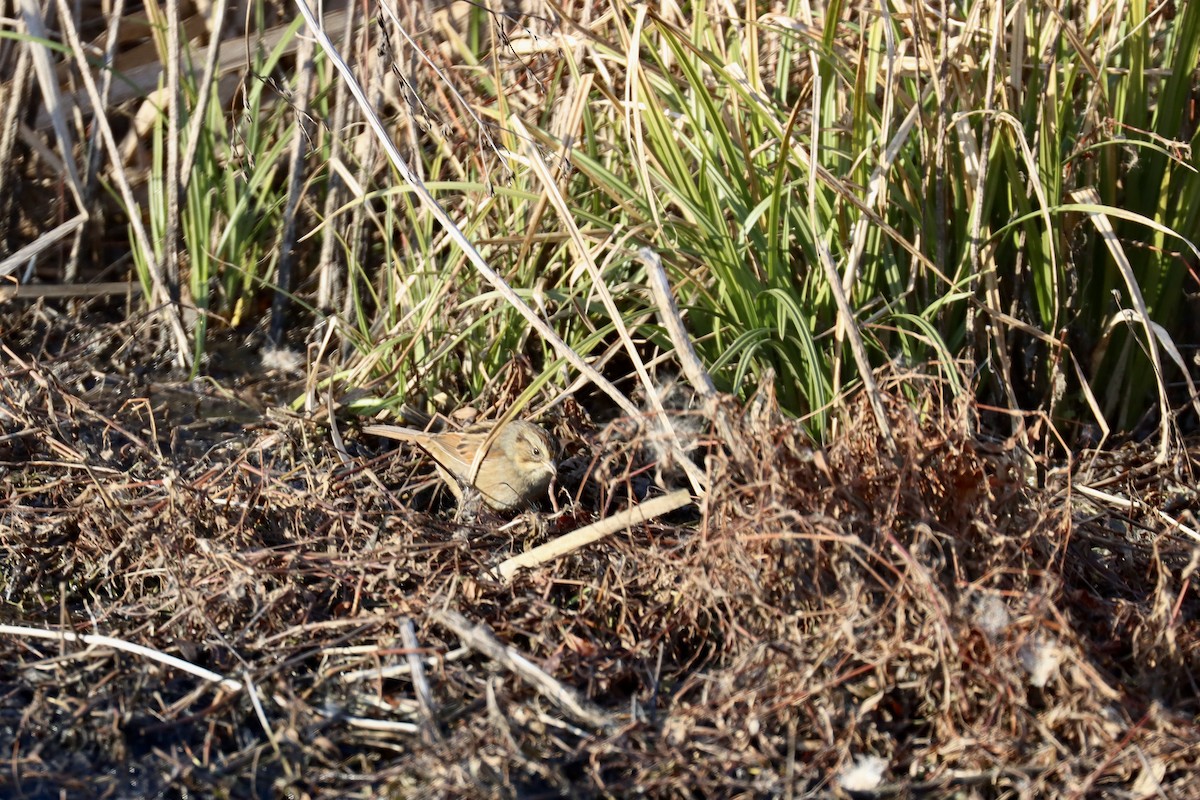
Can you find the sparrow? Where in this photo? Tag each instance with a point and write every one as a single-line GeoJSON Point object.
{"type": "Point", "coordinates": [515, 469]}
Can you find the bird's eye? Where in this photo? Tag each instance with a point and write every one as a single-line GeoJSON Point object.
{"type": "Point", "coordinates": [537, 452]}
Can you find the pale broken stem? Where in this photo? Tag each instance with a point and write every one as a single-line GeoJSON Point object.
{"type": "Point", "coordinates": [1129, 504]}
{"type": "Point", "coordinates": [1129, 317]}
{"type": "Point", "coordinates": [37, 291]}
{"type": "Point", "coordinates": [42, 243]}
{"type": "Point", "coordinates": [685, 351]}
{"type": "Point", "coordinates": [397, 670]}
{"type": "Point", "coordinates": [551, 192]}
{"type": "Point", "coordinates": [594, 532]}
{"type": "Point", "coordinates": [216, 23]}
{"type": "Point", "coordinates": [481, 639]}
{"type": "Point", "coordinates": [96, 640]}
{"type": "Point", "coordinates": [385, 725]}
{"type": "Point", "coordinates": [408, 635]}
{"type": "Point", "coordinates": [31, 15]}
{"type": "Point", "coordinates": [672, 320]}
{"type": "Point", "coordinates": [453, 231]}
{"type": "Point", "coordinates": [261, 713]}
{"type": "Point", "coordinates": [858, 349]}
{"type": "Point", "coordinates": [297, 183]}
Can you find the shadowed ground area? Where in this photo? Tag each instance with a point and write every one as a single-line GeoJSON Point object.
{"type": "Point", "coordinates": [962, 618]}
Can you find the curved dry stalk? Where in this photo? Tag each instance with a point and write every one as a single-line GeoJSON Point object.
{"type": "Point", "coordinates": [97, 640]}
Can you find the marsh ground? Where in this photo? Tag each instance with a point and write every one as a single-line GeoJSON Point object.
{"type": "Point", "coordinates": [966, 619]}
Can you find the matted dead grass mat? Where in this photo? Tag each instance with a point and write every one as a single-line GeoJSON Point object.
{"type": "Point", "coordinates": [825, 623]}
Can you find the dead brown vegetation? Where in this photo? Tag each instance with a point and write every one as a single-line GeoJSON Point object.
{"type": "Point", "coordinates": [937, 617]}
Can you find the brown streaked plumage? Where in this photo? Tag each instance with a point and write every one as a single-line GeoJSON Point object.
{"type": "Point", "coordinates": [515, 470]}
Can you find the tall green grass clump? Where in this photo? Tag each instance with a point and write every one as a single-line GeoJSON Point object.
{"type": "Point", "coordinates": [936, 164]}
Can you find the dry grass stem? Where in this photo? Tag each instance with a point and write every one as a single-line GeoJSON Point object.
{"type": "Point", "coordinates": [95, 640]}
{"type": "Point", "coordinates": [634, 515]}
{"type": "Point", "coordinates": [480, 638]}
{"type": "Point", "coordinates": [42, 244]}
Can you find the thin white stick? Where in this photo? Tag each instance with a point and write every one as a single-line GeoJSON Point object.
{"type": "Point", "coordinates": [42, 243]}
{"type": "Point", "coordinates": [845, 313]}
{"type": "Point", "coordinates": [685, 350]}
{"type": "Point", "coordinates": [261, 713]}
{"type": "Point", "coordinates": [1131, 503]}
{"type": "Point", "coordinates": [31, 15]}
{"type": "Point", "coordinates": [97, 640]}
{"type": "Point", "coordinates": [386, 725]}
{"type": "Point", "coordinates": [672, 320]}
